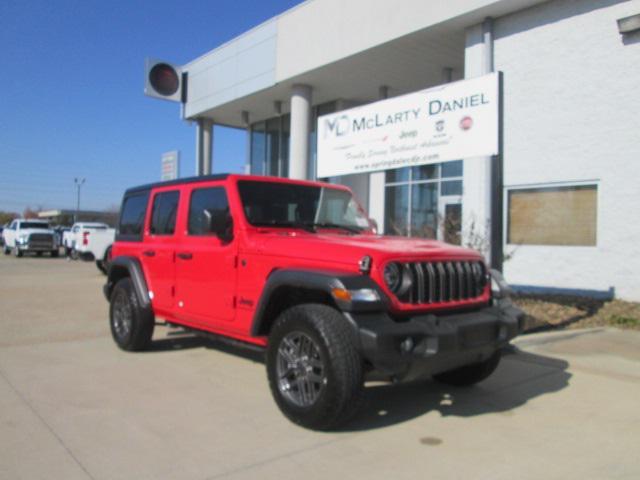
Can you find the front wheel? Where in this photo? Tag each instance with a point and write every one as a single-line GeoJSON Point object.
{"type": "Point", "coordinates": [315, 372]}
{"type": "Point", "coordinates": [131, 324]}
{"type": "Point", "coordinates": [17, 252]}
{"type": "Point", "coordinates": [470, 374]}
{"type": "Point", "coordinates": [6, 250]}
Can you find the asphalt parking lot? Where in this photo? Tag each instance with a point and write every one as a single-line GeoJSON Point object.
{"type": "Point", "coordinates": [561, 405]}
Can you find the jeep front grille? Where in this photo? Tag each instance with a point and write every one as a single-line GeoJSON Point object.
{"type": "Point", "coordinates": [438, 282]}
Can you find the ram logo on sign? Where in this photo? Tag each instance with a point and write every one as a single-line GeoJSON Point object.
{"type": "Point", "coordinates": [449, 122]}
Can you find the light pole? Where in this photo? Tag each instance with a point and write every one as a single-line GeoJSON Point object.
{"type": "Point", "coordinates": [78, 182]}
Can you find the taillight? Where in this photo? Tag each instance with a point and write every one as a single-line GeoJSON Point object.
{"type": "Point", "coordinates": [85, 238]}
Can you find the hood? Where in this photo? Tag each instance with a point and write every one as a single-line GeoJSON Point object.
{"type": "Point", "coordinates": [349, 249]}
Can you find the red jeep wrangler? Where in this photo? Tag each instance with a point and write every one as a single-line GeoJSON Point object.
{"type": "Point", "coordinates": [296, 267]}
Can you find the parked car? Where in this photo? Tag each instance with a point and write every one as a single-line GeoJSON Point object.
{"type": "Point", "coordinates": [96, 245]}
{"type": "Point", "coordinates": [60, 230]}
{"type": "Point", "coordinates": [73, 241]}
{"type": "Point", "coordinates": [29, 236]}
{"type": "Point", "coordinates": [296, 268]}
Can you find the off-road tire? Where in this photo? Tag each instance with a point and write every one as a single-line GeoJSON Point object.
{"type": "Point", "coordinates": [101, 267]}
{"type": "Point", "coordinates": [342, 392]}
{"type": "Point", "coordinates": [470, 374]}
{"type": "Point", "coordinates": [131, 324]}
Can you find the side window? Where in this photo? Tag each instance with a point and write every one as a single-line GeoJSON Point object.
{"type": "Point", "coordinates": [207, 205]}
{"type": "Point", "coordinates": [132, 216]}
{"type": "Point", "coordinates": [163, 213]}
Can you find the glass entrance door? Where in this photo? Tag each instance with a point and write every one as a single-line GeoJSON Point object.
{"type": "Point", "coordinates": [425, 201]}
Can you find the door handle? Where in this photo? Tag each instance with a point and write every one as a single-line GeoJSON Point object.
{"type": "Point", "coordinates": [149, 253]}
{"type": "Point", "coordinates": [185, 255]}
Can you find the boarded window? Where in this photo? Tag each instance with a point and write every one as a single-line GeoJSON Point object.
{"type": "Point", "coordinates": [553, 216]}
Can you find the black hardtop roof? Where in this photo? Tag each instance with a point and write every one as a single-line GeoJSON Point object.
{"type": "Point", "coordinates": [177, 181]}
{"type": "Point", "coordinates": [220, 176]}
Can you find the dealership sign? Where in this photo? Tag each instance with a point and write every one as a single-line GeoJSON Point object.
{"type": "Point", "coordinates": [170, 165]}
{"type": "Point", "coordinates": [449, 122]}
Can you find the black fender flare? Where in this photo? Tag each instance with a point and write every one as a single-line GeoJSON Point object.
{"type": "Point", "coordinates": [320, 281]}
{"type": "Point", "coordinates": [126, 266]}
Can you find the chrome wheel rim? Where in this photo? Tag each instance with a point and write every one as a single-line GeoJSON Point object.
{"type": "Point", "coordinates": [301, 372]}
{"type": "Point", "coordinates": [122, 316]}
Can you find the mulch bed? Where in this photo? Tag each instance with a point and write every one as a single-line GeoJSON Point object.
{"type": "Point", "coordinates": [549, 312]}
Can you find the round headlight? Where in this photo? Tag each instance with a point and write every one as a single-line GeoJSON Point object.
{"type": "Point", "coordinates": [393, 276]}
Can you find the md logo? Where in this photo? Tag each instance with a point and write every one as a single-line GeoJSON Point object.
{"type": "Point", "coordinates": [337, 126]}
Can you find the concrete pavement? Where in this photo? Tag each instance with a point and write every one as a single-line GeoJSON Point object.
{"type": "Point", "coordinates": [561, 405]}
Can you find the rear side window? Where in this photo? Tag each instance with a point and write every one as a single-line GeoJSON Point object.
{"type": "Point", "coordinates": [206, 203]}
{"type": "Point", "coordinates": [134, 208]}
{"type": "Point", "coordinates": [163, 213]}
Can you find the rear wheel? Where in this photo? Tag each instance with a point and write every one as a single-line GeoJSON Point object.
{"type": "Point", "coordinates": [470, 374]}
{"type": "Point", "coordinates": [55, 253]}
{"type": "Point", "coordinates": [131, 324]}
{"type": "Point", "coordinates": [314, 370]}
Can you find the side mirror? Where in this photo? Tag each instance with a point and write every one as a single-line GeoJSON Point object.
{"type": "Point", "coordinates": [220, 223]}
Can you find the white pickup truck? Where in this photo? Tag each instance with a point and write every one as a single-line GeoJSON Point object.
{"type": "Point", "coordinates": [91, 241]}
{"type": "Point", "coordinates": [24, 235]}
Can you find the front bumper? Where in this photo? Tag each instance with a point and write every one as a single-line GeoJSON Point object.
{"type": "Point", "coordinates": [429, 344]}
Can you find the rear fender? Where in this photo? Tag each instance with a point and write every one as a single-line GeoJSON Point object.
{"type": "Point", "coordinates": [122, 267]}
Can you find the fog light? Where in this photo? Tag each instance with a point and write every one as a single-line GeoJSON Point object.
{"type": "Point", "coordinates": [407, 345]}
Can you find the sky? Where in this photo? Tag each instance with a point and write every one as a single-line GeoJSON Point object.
{"type": "Point", "coordinates": [72, 102]}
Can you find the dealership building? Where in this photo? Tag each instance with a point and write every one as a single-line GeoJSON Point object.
{"type": "Point", "coordinates": [548, 188]}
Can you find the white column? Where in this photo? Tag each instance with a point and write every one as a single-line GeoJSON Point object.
{"type": "Point", "coordinates": [476, 198]}
{"type": "Point", "coordinates": [247, 125]}
{"type": "Point", "coordinates": [376, 202]}
{"type": "Point", "coordinates": [204, 146]}
{"type": "Point", "coordinates": [300, 131]}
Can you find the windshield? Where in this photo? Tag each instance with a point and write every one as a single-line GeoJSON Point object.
{"type": "Point", "coordinates": [24, 225]}
{"type": "Point", "coordinates": [303, 206]}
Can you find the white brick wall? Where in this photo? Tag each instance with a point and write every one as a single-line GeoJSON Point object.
{"type": "Point", "coordinates": [572, 114]}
